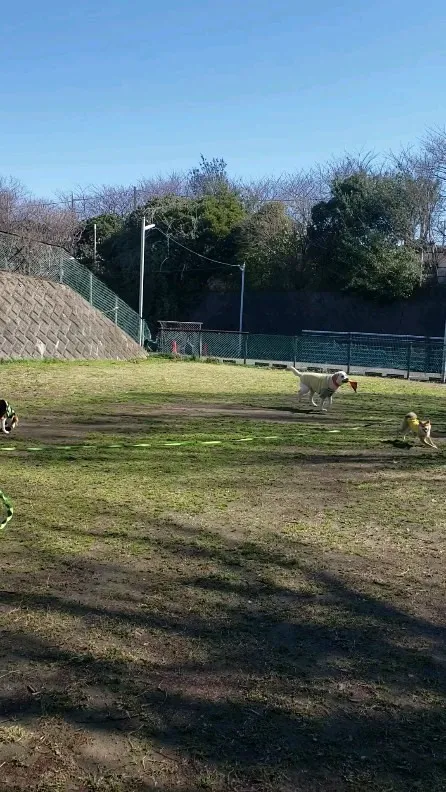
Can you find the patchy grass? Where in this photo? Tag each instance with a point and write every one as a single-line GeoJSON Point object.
{"type": "Point", "coordinates": [256, 615]}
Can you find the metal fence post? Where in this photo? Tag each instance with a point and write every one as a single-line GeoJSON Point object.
{"type": "Point", "coordinates": [60, 272]}
{"type": "Point", "coordinates": [295, 351]}
{"type": "Point", "coordinates": [91, 288]}
{"type": "Point", "coordinates": [443, 367]}
{"type": "Point", "coordinates": [200, 344]}
{"type": "Point", "coordinates": [245, 348]}
{"type": "Point", "coordinates": [116, 315]}
{"type": "Point", "coordinates": [409, 359]}
{"type": "Point", "coordinates": [349, 353]}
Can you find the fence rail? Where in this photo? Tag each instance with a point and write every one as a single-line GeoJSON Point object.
{"type": "Point", "coordinates": [27, 257]}
{"type": "Point", "coordinates": [400, 355]}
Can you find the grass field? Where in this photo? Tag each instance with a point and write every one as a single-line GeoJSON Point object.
{"type": "Point", "coordinates": [259, 608]}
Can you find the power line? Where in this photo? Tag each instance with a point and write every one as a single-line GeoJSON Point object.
{"type": "Point", "coordinates": [183, 269]}
{"type": "Point", "coordinates": [194, 252]}
{"type": "Point", "coordinates": [69, 203]}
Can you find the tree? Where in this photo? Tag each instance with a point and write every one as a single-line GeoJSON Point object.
{"type": "Point", "coordinates": [174, 184]}
{"type": "Point", "coordinates": [98, 200]}
{"type": "Point", "coordinates": [267, 242]}
{"type": "Point", "coordinates": [360, 163]}
{"type": "Point", "coordinates": [106, 226]}
{"type": "Point", "coordinates": [298, 192]}
{"type": "Point", "coordinates": [23, 214]}
{"type": "Point", "coordinates": [422, 175]}
{"type": "Point", "coordinates": [434, 145]}
{"type": "Point", "coordinates": [189, 231]}
{"type": "Point", "coordinates": [51, 224]}
{"type": "Point", "coordinates": [359, 239]}
{"type": "Point", "coordinates": [209, 178]}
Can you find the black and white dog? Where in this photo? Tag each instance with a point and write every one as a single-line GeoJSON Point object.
{"type": "Point", "coordinates": [8, 417]}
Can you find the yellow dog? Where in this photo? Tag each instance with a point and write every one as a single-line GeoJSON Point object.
{"type": "Point", "coordinates": [421, 429]}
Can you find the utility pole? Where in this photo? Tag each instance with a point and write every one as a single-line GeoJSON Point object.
{"type": "Point", "coordinates": [242, 297]}
{"type": "Point", "coordinates": [144, 228]}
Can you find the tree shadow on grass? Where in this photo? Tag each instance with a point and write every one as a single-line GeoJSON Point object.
{"type": "Point", "coordinates": [309, 684]}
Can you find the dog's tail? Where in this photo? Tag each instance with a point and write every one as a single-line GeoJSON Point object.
{"type": "Point", "coordinates": [295, 371]}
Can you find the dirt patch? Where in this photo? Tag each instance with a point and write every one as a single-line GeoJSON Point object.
{"type": "Point", "coordinates": [135, 418]}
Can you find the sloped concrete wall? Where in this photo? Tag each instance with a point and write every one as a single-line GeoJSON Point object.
{"type": "Point", "coordinates": [39, 318]}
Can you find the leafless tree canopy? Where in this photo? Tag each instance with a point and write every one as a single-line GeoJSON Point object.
{"type": "Point", "coordinates": [20, 213]}
{"type": "Point", "coordinates": [298, 191]}
{"type": "Point", "coordinates": [434, 146]}
{"type": "Point", "coordinates": [423, 167]}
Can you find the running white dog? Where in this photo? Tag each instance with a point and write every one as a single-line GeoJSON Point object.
{"type": "Point", "coordinates": [322, 385]}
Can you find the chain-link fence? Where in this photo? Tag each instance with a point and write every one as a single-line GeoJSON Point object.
{"type": "Point", "coordinates": [404, 355]}
{"type": "Point", "coordinates": [391, 353]}
{"type": "Point", "coordinates": [363, 352]}
{"type": "Point", "coordinates": [26, 257]}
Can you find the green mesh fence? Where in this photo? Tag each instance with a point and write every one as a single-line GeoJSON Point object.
{"type": "Point", "coordinates": [270, 347]}
{"type": "Point", "coordinates": [26, 257]}
{"type": "Point", "coordinates": [373, 351]}
{"type": "Point", "coordinates": [401, 355]}
{"type": "Point", "coordinates": [224, 345]}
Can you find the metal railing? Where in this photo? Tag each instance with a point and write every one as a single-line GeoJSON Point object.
{"type": "Point", "coordinates": [371, 352]}
{"type": "Point", "coordinates": [27, 257]}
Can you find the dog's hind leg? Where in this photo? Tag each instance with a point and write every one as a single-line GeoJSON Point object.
{"type": "Point", "coordinates": [304, 390]}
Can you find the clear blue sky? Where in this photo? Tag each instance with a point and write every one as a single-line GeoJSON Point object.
{"type": "Point", "coordinates": [107, 92]}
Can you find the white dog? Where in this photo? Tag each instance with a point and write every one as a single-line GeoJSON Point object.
{"type": "Point", "coordinates": [322, 385]}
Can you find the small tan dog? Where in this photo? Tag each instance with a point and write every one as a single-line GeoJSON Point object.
{"type": "Point", "coordinates": [421, 429]}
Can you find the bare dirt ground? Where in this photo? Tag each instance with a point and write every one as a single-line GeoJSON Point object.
{"type": "Point", "coordinates": [54, 428]}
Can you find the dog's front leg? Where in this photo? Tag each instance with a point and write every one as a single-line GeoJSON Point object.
{"type": "Point", "coordinates": [429, 442]}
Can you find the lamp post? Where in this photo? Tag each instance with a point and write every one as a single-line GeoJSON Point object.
{"type": "Point", "coordinates": [242, 297]}
{"type": "Point", "coordinates": [144, 228]}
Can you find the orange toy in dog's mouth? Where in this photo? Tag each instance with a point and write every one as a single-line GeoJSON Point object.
{"type": "Point", "coordinates": [354, 385]}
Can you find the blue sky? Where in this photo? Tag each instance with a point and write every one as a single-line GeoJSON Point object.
{"type": "Point", "coordinates": [108, 92]}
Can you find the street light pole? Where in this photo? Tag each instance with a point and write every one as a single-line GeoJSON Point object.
{"type": "Point", "coordinates": [242, 297]}
{"type": "Point", "coordinates": [144, 228]}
